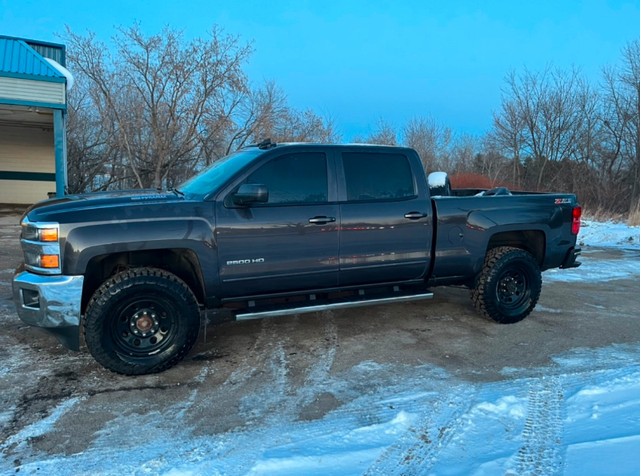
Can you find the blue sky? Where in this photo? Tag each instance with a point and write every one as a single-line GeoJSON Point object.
{"type": "Point", "coordinates": [357, 61]}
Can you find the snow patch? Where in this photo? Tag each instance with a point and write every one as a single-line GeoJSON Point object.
{"type": "Point", "coordinates": [509, 405]}
{"type": "Point", "coordinates": [43, 426]}
{"type": "Point", "coordinates": [597, 270]}
{"type": "Point", "coordinates": [609, 234]}
{"type": "Point", "coordinates": [540, 308]}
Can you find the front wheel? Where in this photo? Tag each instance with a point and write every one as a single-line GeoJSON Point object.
{"type": "Point", "coordinates": [141, 321]}
{"type": "Point", "coordinates": [508, 287]}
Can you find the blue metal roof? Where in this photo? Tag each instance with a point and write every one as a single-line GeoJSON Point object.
{"type": "Point", "coordinates": [19, 60]}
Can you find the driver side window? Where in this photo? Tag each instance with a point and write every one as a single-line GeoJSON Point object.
{"type": "Point", "coordinates": [293, 179]}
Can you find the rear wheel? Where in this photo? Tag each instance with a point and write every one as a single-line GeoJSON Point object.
{"type": "Point", "coordinates": [141, 321]}
{"type": "Point", "coordinates": [508, 287]}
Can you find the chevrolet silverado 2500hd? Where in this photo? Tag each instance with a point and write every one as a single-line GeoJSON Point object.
{"type": "Point", "coordinates": [275, 229]}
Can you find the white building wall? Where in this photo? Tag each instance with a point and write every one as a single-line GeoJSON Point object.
{"type": "Point", "coordinates": [26, 149]}
{"type": "Point", "coordinates": [17, 89]}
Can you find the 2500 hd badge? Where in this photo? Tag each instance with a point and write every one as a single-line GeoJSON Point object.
{"type": "Point", "coordinates": [245, 261]}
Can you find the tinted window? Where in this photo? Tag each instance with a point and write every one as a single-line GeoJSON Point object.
{"type": "Point", "coordinates": [377, 176]}
{"type": "Point", "coordinates": [218, 174]}
{"type": "Point", "coordinates": [294, 178]}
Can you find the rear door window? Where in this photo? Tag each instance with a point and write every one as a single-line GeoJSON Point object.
{"type": "Point", "coordinates": [377, 177]}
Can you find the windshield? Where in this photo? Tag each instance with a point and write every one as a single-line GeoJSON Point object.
{"type": "Point", "coordinates": [216, 175]}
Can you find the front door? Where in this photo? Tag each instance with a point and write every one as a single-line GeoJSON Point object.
{"type": "Point", "coordinates": [288, 243]}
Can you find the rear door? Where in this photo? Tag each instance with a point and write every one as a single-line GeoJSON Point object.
{"type": "Point", "coordinates": [288, 243]}
{"type": "Point", "coordinates": [386, 217]}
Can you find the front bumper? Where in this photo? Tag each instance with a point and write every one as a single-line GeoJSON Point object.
{"type": "Point", "coordinates": [50, 302]}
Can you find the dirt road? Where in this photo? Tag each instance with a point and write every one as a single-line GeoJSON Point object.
{"type": "Point", "coordinates": [242, 378]}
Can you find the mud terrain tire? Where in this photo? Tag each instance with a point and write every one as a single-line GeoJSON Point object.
{"type": "Point", "coordinates": [508, 287]}
{"type": "Point", "coordinates": [141, 321]}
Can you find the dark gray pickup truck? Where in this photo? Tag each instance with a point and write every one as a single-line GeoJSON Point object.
{"type": "Point", "coordinates": [279, 229]}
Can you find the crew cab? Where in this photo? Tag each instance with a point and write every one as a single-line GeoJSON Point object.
{"type": "Point", "coordinates": [279, 229]}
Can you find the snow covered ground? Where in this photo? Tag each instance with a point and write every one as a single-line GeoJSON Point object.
{"type": "Point", "coordinates": [578, 419]}
{"type": "Point", "coordinates": [578, 416]}
{"type": "Point", "coordinates": [609, 234]}
{"type": "Point", "coordinates": [614, 248]}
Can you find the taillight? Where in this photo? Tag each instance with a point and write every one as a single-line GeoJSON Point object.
{"type": "Point", "coordinates": [575, 224]}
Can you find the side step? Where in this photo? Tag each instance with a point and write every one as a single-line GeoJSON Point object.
{"type": "Point", "coordinates": [337, 305]}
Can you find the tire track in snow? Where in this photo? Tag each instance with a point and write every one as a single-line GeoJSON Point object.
{"type": "Point", "coordinates": [260, 381]}
{"type": "Point", "coordinates": [416, 451]}
{"type": "Point", "coordinates": [286, 394]}
{"type": "Point", "coordinates": [276, 400]}
{"type": "Point", "coordinates": [256, 388]}
{"type": "Point", "coordinates": [541, 453]}
{"type": "Point", "coordinates": [257, 353]}
{"type": "Point", "coordinates": [322, 359]}
{"type": "Point", "coordinates": [250, 392]}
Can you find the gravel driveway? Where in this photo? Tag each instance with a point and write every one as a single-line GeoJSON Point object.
{"type": "Point", "coordinates": [243, 379]}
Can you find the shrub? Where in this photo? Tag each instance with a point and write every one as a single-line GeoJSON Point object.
{"type": "Point", "coordinates": [469, 180]}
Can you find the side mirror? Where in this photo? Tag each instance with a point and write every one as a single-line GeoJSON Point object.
{"type": "Point", "coordinates": [249, 193]}
{"type": "Point", "coordinates": [439, 184]}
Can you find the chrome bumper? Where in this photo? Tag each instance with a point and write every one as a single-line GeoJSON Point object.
{"type": "Point", "coordinates": [50, 302]}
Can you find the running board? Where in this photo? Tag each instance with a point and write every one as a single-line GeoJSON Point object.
{"type": "Point", "coordinates": [337, 305]}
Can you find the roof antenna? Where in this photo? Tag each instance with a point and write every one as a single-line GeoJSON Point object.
{"type": "Point", "coordinates": [266, 144]}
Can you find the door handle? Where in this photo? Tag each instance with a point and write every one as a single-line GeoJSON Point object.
{"type": "Point", "coordinates": [415, 215]}
{"type": "Point", "coordinates": [321, 220]}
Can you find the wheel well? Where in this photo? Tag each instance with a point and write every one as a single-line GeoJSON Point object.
{"type": "Point", "coordinates": [532, 241]}
{"type": "Point", "coordinates": [183, 263]}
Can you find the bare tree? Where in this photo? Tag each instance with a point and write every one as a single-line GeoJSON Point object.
{"type": "Point", "coordinates": [541, 116]}
{"type": "Point", "coordinates": [491, 163]}
{"type": "Point", "coordinates": [432, 141]}
{"type": "Point", "coordinates": [155, 93]}
{"type": "Point", "coordinates": [383, 134]}
{"type": "Point", "coordinates": [286, 124]}
{"type": "Point", "coordinates": [629, 81]}
{"type": "Point", "coordinates": [247, 117]}
{"type": "Point", "coordinates": [508, 133]}
{"type": "Point", "coordinates": [305, 126]}
{"type": "Point", "coordinates": [89, 147]}
{"type": "Point", "coordinates": [464, 148]}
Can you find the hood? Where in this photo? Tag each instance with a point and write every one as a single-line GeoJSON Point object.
{"type": "Point", "coordinates": [112, 203]}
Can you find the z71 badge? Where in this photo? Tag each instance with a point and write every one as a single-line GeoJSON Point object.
{"type": "Point", "coordinates": [560, 201]}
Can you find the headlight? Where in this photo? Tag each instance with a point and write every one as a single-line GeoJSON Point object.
{"type": "Point", "coordinates": [29, 232]}
{"type": "Point", "coordinates": [41, 247]}
{"type": "Point", "coordinates": [35, 233]}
